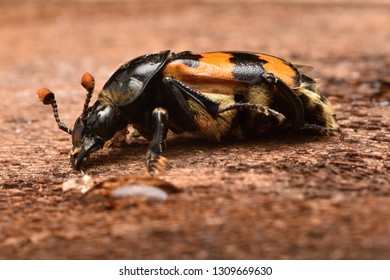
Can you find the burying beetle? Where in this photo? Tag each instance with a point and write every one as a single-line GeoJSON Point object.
{"type": "Point", "coordinates": [213, 94]}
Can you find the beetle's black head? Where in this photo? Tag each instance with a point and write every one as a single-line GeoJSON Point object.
{"type": "Point", "coordinates": [95, 126]}
{"type": "Point", "coordinates": [92, 131]}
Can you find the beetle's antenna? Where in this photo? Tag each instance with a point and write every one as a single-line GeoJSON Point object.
{"type": "Point", "coordinates": [88, 82]}
{"type": "Point", "coordinates": [47, 97]}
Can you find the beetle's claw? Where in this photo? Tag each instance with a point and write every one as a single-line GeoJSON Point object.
{"type": "Point", "coordinates": [279, 116]}
{"type": "Point", "coordinates": [156, 164]}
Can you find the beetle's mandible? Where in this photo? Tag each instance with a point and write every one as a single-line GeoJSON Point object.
{"type": "Point", "coordinates": [213, 94]}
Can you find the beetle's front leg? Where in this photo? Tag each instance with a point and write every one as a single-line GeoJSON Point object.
{"type": "Point", "coordinates": [156, 163]}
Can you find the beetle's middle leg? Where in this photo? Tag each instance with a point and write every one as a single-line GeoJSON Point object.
{"type": "Point", "coordinates": [156, 163]}
{"type": "Point", "coordinates": [257, 115]}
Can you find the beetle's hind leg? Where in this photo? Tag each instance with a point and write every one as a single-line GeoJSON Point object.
{"type": "Point", "coordinates": [155, 163]}
{"type": "Point", "coordinates": [258, 98]}
{"type": "Point", "coordinates": [256, 115]}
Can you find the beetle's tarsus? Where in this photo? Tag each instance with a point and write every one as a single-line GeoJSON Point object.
{"type": "Point", "coordinates": [257, 108]}
{"type": "Point", "coordinates": [322, 129]}
{"type": "Point", "coordinates": [156, 165]}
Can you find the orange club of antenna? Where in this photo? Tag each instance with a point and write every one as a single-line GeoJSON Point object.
{"type": "Point", "coordinates": [45, 95]}
{"type": "Point", "coordinates": [88, 82]}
